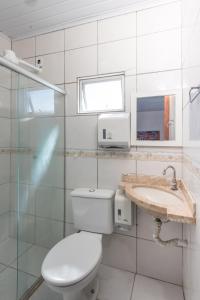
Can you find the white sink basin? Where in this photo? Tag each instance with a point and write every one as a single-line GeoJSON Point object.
{"type": "Point", "coordinates": [158, 197]}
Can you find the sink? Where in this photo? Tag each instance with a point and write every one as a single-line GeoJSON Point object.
{"type": "Point", "coordinates": [154, 194]}
{"type": "Point", "coordinates": [157, 196]}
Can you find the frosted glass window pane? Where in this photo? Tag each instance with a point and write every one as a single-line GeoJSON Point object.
{"type": "Point", "coordinates": [101, 94]}
{"type": "Point", "coordinates": [41, 101]}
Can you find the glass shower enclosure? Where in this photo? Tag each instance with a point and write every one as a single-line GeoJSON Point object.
{"type": "Point", "coordinates": [32, 170]}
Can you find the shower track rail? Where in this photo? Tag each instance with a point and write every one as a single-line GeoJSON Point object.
{"type": "Point", "coordinates": [13, 67]}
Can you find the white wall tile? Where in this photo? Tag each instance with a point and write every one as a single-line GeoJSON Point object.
{"type": "Point", "coordinates": [81, 132]}
{"type": "Point", "coordinates": [111, 170]}
{"type": "Point", "coordinates": [24, 168]}
{"type": "Point", "coordinates": [49, 203]}
{"type": "Point", "coordinates": [68, 207]}
{"type": "Point", "coordinates": [81, 36]}
{"type": "Point", "coordinates": [164, 263]}
{"type": "Point", "coordinates": [43, 129]}
{"type": "Point", "coordinates": [50, 43]}
{"type": "Point", "coordinates": [4, 198]}
{"type": "Point", "coordinates": [4, 132]}
{"type": "Point", "coordinates": [26, 227]}
{"type": "Point", "coordinates": [69, 229]}
{"type": "Point", "coordinates": [119, 56]}
{"type": "Point", "coordinates": [5, 96]}
{"type": "Point", "coordinates": [189, 13]}
{"type": "Point", "coordinates": [4, 227]}
{"type": "Point", "coordinates": [117, 28]}
{"type": "Point", "coordinates": [80, 62]}
{"type": "Point", "coordinates": [156, 168]}
{"type": "Point", "coordinates": [71, 99]}
{"type": "Point", "coordinates": [48, 232]}
{"type": "Point", "coordinates": [120, 252]}
{"type": "Point", "coordinates": [5, 77]}
{"type": "Point", "coordinates": [27, 198]}
{"type": "Point", "coordinates": [145, 227]}
{"type": "Point", "coordinates": [4, 168]}
{"type": "Point", "coordinates": [53, 67]}
{"type": "Point", "coordinates": [81, 172]}
{"type": "Point", "coordinates": [190, 78]}
{"type": "Point", "coordinates": [24, 48]}
{"type": "Point", "coordinates": [37, 131]}
{"type": "Point", "coordinates": [160, 81]}
{"type": "Point", "coordinates": [150, 48]}
{"type": "Point", "coordinates": [159, 18]}
{"type": "Point", "coordinates": [5, 43]}
{"type": "Point", "coordinates": [130, 90]}
{"type": "Point", "coordinates": [191, 46]}
{"type": "Point", "coordinates": [53, 171]}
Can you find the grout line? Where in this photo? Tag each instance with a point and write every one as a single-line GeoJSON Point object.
{"type": "Point", "coordinates": [35, 216]}
{"type": "Point", "coordinates": [175, 284]}
{"type": "Point", "coordinates": [13, 268]}
{"type": "Point", "coordinates": [65, 146]}
{"type": "Point", "coordinates": [134, 74]}
{"type": "Point", "coordinates": [133, 285]}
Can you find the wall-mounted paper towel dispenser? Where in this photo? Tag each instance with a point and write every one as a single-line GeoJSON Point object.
{"type": "Point", "coordinates": [114, 130]}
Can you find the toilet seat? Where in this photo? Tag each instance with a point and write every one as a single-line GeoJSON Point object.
{"type": "Point", "coordinates": [72, 259]}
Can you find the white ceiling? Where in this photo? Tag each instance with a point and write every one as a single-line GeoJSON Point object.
{"type": "Point", "coordinates": [25, 17]}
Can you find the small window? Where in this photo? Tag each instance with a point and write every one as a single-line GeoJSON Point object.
{"type": "Point", "coordinates": [41, 102]}
{"type": "Point", "coordinates": [101, 94]}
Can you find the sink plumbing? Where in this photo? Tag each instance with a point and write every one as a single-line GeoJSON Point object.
{"type": "Point", "coordinates": [173, 242]}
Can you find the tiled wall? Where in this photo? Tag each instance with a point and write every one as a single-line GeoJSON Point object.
{"type": "Point", "coordinates": [39, 138]}
{"type": "Point", "coordinates": [5, 86]}
{"type": "Point", "coordinates": [131, 43]}
{"type": "Point", "coordinates": [191, 131]}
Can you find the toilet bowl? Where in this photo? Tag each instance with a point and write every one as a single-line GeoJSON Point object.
{"type": "Point", "coordinates": [71, 266]}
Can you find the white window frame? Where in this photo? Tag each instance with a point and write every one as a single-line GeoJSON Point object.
{"type": "Point", "coordinates": [98, 78]}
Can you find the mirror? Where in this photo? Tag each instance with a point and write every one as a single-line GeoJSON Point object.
{"type": "Point", "coordinates": [156, 118]}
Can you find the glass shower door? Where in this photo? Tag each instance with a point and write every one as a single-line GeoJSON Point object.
{"type": "Point", "coordinates": [37, 165]}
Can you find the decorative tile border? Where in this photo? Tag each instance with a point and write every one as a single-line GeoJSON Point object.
{"type": "Point", "coordinates": [109, 154]}
{"type": "Point", "coordinates": [132, 155]}
{"type": "Point", "coordinates": [191, 166]}
{"type": "Point", "coordinates": [26, 151]}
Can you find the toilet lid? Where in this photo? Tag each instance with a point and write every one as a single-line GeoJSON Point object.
{"type": "Point", "coordinates": [72, 259]}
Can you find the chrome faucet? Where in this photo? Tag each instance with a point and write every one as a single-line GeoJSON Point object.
{"type": "Point", "coordinates": [174, 181]}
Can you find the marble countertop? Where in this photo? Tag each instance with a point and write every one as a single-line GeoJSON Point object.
{"type": "Point", "coordinates": [183, 211]}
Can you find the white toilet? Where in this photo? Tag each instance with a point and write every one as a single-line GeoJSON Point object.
{"type": "Point", "coordinates": [71, 266]}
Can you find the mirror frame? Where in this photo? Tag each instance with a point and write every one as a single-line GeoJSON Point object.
{"type": "Point", "coordinates": [178, 119]}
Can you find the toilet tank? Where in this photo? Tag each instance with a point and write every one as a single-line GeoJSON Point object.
{"type": "Point", "coordinates": [93, 210]}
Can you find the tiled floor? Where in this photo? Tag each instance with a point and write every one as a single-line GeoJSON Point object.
{"type": "Point", "coordinates": [121, 285]}
{"type": "Point", "coordinates": [150, 289]}
{"type": "Point", "coordinates": [8, 283]}
{"type": "Point", "coordinates": [31, 260]}
{"type": "Point", "coordinates": [29, 263]}
{"type": "Point", "coordinates": [9, 250]}
{"type": "Point", "coordinates": [115, 284]}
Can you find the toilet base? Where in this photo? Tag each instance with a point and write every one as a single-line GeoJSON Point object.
{"type": "Point", "coordinates": [90, 292]}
